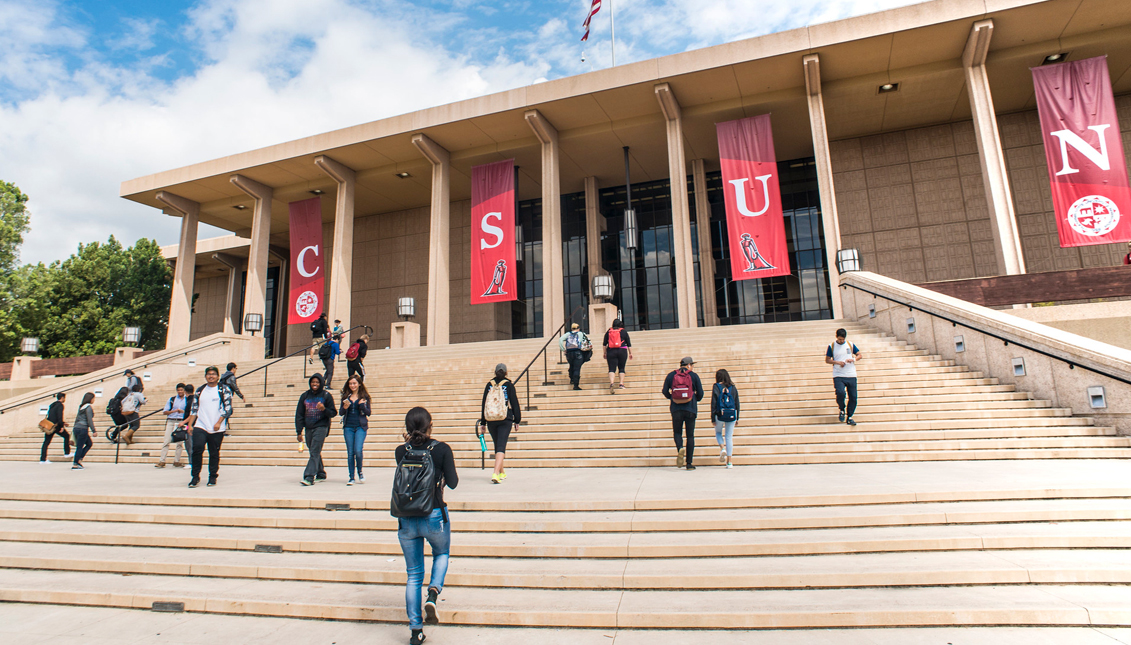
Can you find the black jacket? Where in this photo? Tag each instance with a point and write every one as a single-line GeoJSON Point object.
{"type": "Point", "coordinates": [691, 406]}
{"type": "Point", "coordinates": [55, 414]}
{"type": "Point", "coordinates": [445, 464]}
{"type": "Point", "coordinates": [229, 379]}
{"type": "Point", "coordinates": [362, 350]}
{"type": "Point", "coordinates": [308, 417]}
{"type": "Point", "coordinates": [514, 413]}
{"type": "Point", "coordinates": [320, 329]}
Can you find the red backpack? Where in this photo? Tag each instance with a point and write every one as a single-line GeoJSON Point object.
{"type": "Point", "coordinates": [683, 388]}
{"type": "Point", "coordinates": [351, 353]}
{"type": "Point", "coordinates": [614, 339]}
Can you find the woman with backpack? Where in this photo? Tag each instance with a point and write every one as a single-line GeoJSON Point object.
{"type": "Point", "coordinates": [500, 412]}
{"type": "Point", "coordinates": [114, 409]}
{"type": "Point", "coordinates": [355, 412]}
{"type": "Point", "coordinates": [355, 356]}
{"type": "Point", "coordinates": [724, 414]}
{"type": "Point", "coordinates": [131, 406]}
{"type": "Point", "coordinates": [618, 351]}
{"type": "Point", "coordinates": [423, 517]}
{"type": "Point", "coordinates": [83, 429]}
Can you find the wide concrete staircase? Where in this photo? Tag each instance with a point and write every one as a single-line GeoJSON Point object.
{"type": "Point", "coordinates": [914, 406]}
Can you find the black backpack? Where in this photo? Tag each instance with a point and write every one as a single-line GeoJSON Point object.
{"type": "Point", "coordinates": [114, 406]}
{"type": "Point", "coordinates": [414, 484]}
{"type": "Point", "coordinates": [325, 351]}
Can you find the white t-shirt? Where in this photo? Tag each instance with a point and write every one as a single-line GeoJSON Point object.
{"type": "Point", "coordinates": [208, 409]}
{"type": "Point", "coordinates": [845, 351]}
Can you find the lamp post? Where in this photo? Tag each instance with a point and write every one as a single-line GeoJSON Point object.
{"type": "Point", "coordinates": [253, 323]}
{"type": "Point", "coordinates": [848, 260]}
{"type": "Point", "coordinates": [131, 335]}
{"type": "Point", "coordinates": [29, 346]}
{"type": "Point", "coordinates": [406, 308]}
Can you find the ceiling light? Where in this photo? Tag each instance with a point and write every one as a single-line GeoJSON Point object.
{"type": "Point", "coordinates": [403, 175]}
{"type": "Point", "coordinates": [1055, 58]}
{"type": "Point", "coordinates": [889, 87]}
{"type": "Point", "coordinates": [240, 207]}
{"type": "Point", "coordinates": [317, 191]}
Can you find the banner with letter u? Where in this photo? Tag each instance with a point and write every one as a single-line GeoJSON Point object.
{"type": "Point", "coordinates": [308, 272]}
{"type": "Point", "coordinates": [753, 199]}
{"type": "Point", "coordinates": [492, 233]}
{"type": "Point", "coordinates": [1087, 170]}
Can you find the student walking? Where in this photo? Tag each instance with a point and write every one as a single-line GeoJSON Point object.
{"type": "Point", "coordinates": [131, 411]}
{"type": "Point", "coordinates": [114, 409]}
{"type": "Point", "coordinates": [228, 379]}
{"type": "Point", "coordinates": [174, 411]}
{"type": "Point", "coordinates": [843, 356]}
{"type": "Point", "coordinates": [84, 429]}
{"type": "Point", "coordinates": [618, 351]}
{"type": "Point", "coordinates": [313, 413]}
{"type": "Point", "coordinates": [724, 414]}
{"type": "Point", "coordinates": [355, 357]}
{"type": "Point", "coordinates": [55, 415]}
{"type": "Point", "coordinates": [684, 389]}
{"type": "Point", "coordinates": [575, 343]}
{"type": "Point", "coordinates": [355, 412]}
{"type": "Point", "coordinates": [132, 380]}
{"type": "Point", "coordinates": [328, 353]}
{"type": "Point", "coordinates": [421, 461]}
{"type": "Point", "coordinates": [211, 409]}
{"type": "Point", "coordinates": [319, 331]}
{"type": "Point", "coordinates": [190, 396]}
{"type": "Point", "coordinates": [500, 412]}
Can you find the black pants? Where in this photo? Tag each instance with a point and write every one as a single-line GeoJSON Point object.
{"type": "Point", "coordinates": [47, 442]}
{"type": "Point", "coordinates": [680, 418]}
{"type": "Point", "coordinates": [327, 371]}
{"type": "Point", "coordinates": [355, 367]}
{"type": "Point", "coordinates": [500, 432]}
{"type": "Point", "coordinates": [315, 439]}
{"type": "Point", "coordinates": [575, 360]}
{"type": "Point", "coordinates": [200, 441]}
{"type": "Point", "coordinates": [83, 442]}
{"type": "Point", "coordinates": [843, 385]}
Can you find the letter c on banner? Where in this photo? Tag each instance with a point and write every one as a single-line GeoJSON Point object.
{"type": "Point", "coordinates": [492, 230]}
{"type": "Point", "coordinates": [301, 264]}
{"type": "Point", "coordinates": [740, 195]}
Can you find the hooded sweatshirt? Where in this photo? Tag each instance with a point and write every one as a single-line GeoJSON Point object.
{"type": "Point", "coordinates": [307, 414]}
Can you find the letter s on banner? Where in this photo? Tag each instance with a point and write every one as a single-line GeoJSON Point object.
{"type": "Point", "coordinates": [493, 270]}
{"type": "Point", "coordinates": [307, 277]}
{"type": "Point", "coordinates": [755, 223]}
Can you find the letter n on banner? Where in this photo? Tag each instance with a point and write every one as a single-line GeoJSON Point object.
{"type": "Point", "coordinates": [753, 200]}
{"type": "Point", "coordinates": [308, 273]}
{"type": "Point", "coordinates": [1087, 170]}
{"type": "Point", "coordinates": [492, 233]}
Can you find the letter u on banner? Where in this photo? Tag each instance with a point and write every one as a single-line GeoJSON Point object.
{"type": "Point", "coordinates": [308, 261]}
{"type": "Point", "coordinates": [492, 233]}
{"type": "Point", "coordinates": [1084, 152]}
{"type": "Point", "coordinates": [753, 199]}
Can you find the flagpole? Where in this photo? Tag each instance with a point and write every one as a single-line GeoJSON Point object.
{"type": "Point", "coordinates": [613, 29]}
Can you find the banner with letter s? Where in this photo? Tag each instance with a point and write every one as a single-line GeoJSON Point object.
{"type": "Point", "coordinates": [753, 199]}
{"type": "Point", "coordinates": [1084, 152]}
{"type": "Point", "coordinates": [308, 272]}
{"type": "Point", "coordinates": [492, 233]}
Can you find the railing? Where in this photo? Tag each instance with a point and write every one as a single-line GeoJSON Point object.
{"type": "Point", "coordinates": [542, 352]}
{"type": "Point", "coordinates": [957, 323]}
{"type": "Point", "coordinates": [77, 386]}
{"type": "Point", "coordinates": [113, 433]}
{"type": "Point", "coordinates": [265, 367]}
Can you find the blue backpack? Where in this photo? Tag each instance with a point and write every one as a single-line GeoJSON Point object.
{"type": "Point", "coordinates": [727, 411]}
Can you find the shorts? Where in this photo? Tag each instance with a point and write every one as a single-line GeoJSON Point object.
{"type": "Point", "coordinates": [617, 359]}
{"type": "Point", "coordinates": [500, 432]}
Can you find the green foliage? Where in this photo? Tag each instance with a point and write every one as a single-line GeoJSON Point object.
{"type": "Point", "coordinates": [13, 225]}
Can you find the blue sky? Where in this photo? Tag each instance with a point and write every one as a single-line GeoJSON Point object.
{"type": "Point", "coordinates": [96, 92]}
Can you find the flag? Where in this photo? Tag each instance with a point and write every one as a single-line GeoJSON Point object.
{"type": "Point", "coordinates": [307, 261]}
{"type": "Point", "coordinates": [592, 12]}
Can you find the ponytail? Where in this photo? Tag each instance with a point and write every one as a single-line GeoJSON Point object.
{"type": "Point", "coordinates": [418, 426]}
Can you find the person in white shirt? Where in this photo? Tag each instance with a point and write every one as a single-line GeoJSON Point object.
{"type": "Point", "coordinates": [211, 407]}
{"type": "Point", "coordinates": [843, 356]}
{"type": "Point", "coordinates": [174, 412]}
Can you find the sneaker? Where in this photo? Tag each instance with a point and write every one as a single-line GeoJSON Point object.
{"type": "Point", "coordinates": [841, 416]}
{"type": "Point", "coordinates": [211, 481]}
{"type": "Point", "coordinates": [612, 389]}
{"type": "Point", "coordinates": [418, 637]}
{"type": "Point", "coordinates": [690, 467]}
{"type": "Point", "coordinates": [496, 479]}
{"type": "Point", "coordinates": [681, 458]}
{"type": "Point", "coordinates": [306, 482]}
{"type": "Point", "coordinates": [621, 386]}
{"type": "Point", "coordinates": [430, 617]}
{"type": "Point", "coordinates": [77, 467]}
{"type": "Point", "coordinates": [729, 466]}
{"type": "Point", "coordinates": [177, 464]}
{"type": "Point", "coordinates": [577, 387]}
{"type": "Point", "coordinates": [320, 478]}
{"type": "Point", "coordinates": [722, 455]}
{"type": "Point", "coordinates": [503, 475]}
{"type": "Point", "coordinates": [159, 464]}
{"type": "Point", "coordinates": [194, 483]}
{"type": "Point", "coordinates": [349, 483]}
{"type": "Point", "coordinates": [850, 421]}
{"type": "Point", "coordinates": [360, 478]}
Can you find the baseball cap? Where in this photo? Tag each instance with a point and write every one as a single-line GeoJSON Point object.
{"type": "Point", "coordinates": [686, 360]}
{"type": "Point", "coordinates": [501, 367]}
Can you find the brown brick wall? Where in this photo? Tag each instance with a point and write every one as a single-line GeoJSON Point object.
{"type": "Point", "coordinates": [67, 366]}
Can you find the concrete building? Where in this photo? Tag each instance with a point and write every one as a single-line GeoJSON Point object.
{"type": "Point", "coordinates": [910, 135]}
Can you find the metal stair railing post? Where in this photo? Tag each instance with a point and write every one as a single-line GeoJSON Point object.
{"type": "Point", "coordinates": [542, 352]}
{"type": "Point", "coordinates": [117, 438]}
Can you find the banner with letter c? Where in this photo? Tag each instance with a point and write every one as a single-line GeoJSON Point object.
{"type": "Point", "coordinates": [492, 233]}
{"type": "Point", "coordinates": [1084, 152]}
{"type": "Point", "coordinates": [753, 199]}
{"type": "Point", "coordinates": [308, 272]}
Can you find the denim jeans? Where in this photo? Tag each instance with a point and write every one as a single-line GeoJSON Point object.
{"type": "Point", "coordinates": [845, 385]}
{"type": "Point", "coordinates": [355, 440]}
{"type": "Point", "coordinates": [83, 442]}
{"type": "Point", "coordinates": [725, 428]}
{"type": "Point", "coordinates": [412, 533]}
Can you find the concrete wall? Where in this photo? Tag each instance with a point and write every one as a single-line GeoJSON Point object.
{"type": "Point", "coordinates": [1107, 322]}
{"type": "Point", "coordinates": [208, 312]}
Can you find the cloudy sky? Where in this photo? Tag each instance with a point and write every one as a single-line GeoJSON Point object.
{"type": "Point", "coordinates": [96, 92]}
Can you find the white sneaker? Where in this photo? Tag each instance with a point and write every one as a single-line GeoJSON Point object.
{"type": "Point", "coordinates": [45, 461]}
{"type": "Point", "coordinates": [729, 466]}
{"type": "Point", "coordinates": [722, 455]}
{"type": "Point", "coordinates": [360, 478]}
{"type": "Point", "coordinates": [349, 483]}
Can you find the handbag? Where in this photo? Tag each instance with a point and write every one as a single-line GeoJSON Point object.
{"type": "Point", "coordinates": [46, 426]}
{"type": "Point", "coordinates": [178, 435]}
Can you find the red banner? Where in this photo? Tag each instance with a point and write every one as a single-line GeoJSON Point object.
{"type": "Point", "coordinates": [753, 200]}
{"type": "Point", "coordinates": [492, 233]}
{"type": "Point", "coordinates": [308, 272]}
{"type": "Point", "coordinates": [1087, 170]}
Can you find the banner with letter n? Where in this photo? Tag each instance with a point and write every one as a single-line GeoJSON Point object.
{"type": "Point", "coordinates": [492, 233]}
{"type": "Point", "coordinates": [753, 199]}
{"type": "Point", "coordinates": [1087, 170]}
{"type": "Point", "coordinates": [308, 274]}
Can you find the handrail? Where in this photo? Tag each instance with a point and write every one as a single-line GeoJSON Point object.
{"type": "Point", "coordinates": [116, 438]}
{"type": "Point", "coordinates": [542, 352]}
{"type": "Point", "coordinates": [109, 376]}
{"type": "Point", "coordinates": [264, 367]}
{"type": "Point", "coordinates": [1071, 364]}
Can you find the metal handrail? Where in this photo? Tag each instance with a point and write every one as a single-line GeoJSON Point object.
{"type": "Point", "coordinates": [77, 386]}
{"type": "Point", "coordinates": [1071, 364]}
{"type": "Point", "coordinates": [111, 435]}
{"type": "Point", "coordinates": [542, 352]}
{"type": "Point", "coordinates": [265, 366]}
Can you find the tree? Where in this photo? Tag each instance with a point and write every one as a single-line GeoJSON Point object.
{"type": "Point", "coordinates": [14, 223]}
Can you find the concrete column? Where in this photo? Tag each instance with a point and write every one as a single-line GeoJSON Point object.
{"type": "Point", "coordinates": [999, 199]}
{"type": "Point", "coordinates": [553, 272]}
{"type": "Point", "coordinates": [255, 296]}
{"type": "Point", "coordinates": [681, 215]}
{"type": "Point", "coordinates": [439, 240]}
{"type": "Point", "coordinates": [231, 303]}
{"type": "Point", "coordinates": [595, 224]}
{"type": "Point", "coordinates": [180, 305]}
{"type": "Point", "coordinates": [341, 272]}
{"type": "Point", "coordinates": [829, 217]}
{"type": "Point", "coordinates": [706, 256]}
{"type": "Point", "coordinates": [21, 368]}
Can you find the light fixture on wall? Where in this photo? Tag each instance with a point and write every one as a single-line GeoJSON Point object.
{"type": "Point", "coordinates": [403, 175]}
{"type": "Point", "coordinates": [253, 323]}
{"type": "Point", "coordinates": [959, 344]}
{"type": "Point", "coordinates": [317, 191]}
{"type": "Point", "coordinates": [1052, 59]}
{"type": "Point", "coordinates": [131, 335]}
{"type": "Point", "coordinates": [519, 240]}
{"type": "Point", "coordinates": [1019, 366]}
{"type": "Point", "coordinates": [603, 287]}
{"type": "Point", "coordinates": [240, 207]}
{"type": "Point", "coordinates": [889, 87]}
{"type": "Point", "coordinates": [848, 260]}
{"type": "Point", "coordinates": [406, 308]}
{"type": "Point", "coordinates": [29, 345]}
{"type": "Point", "coordinates": [1097, 397]}
{"type": "Point", "coordinates": [911, 325]}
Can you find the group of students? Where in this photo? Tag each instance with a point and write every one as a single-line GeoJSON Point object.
{"type": "Point", "coordinates": [616, 350]}
{"type": "Point", "coordinates": [326, 345]}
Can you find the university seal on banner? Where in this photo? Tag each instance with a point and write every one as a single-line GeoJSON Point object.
{"type": "Point", "coordinates": [1093, 215]}
{"type": "Point", "coordinates": [306, 304]}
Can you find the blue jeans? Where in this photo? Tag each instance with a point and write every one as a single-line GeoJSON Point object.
{"type": "Point", "coordinates": [412, 533]}
{"type": "Point", "coordinates": [355, 439]}
{"type": "Point", "coordinates": [726, 427]}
